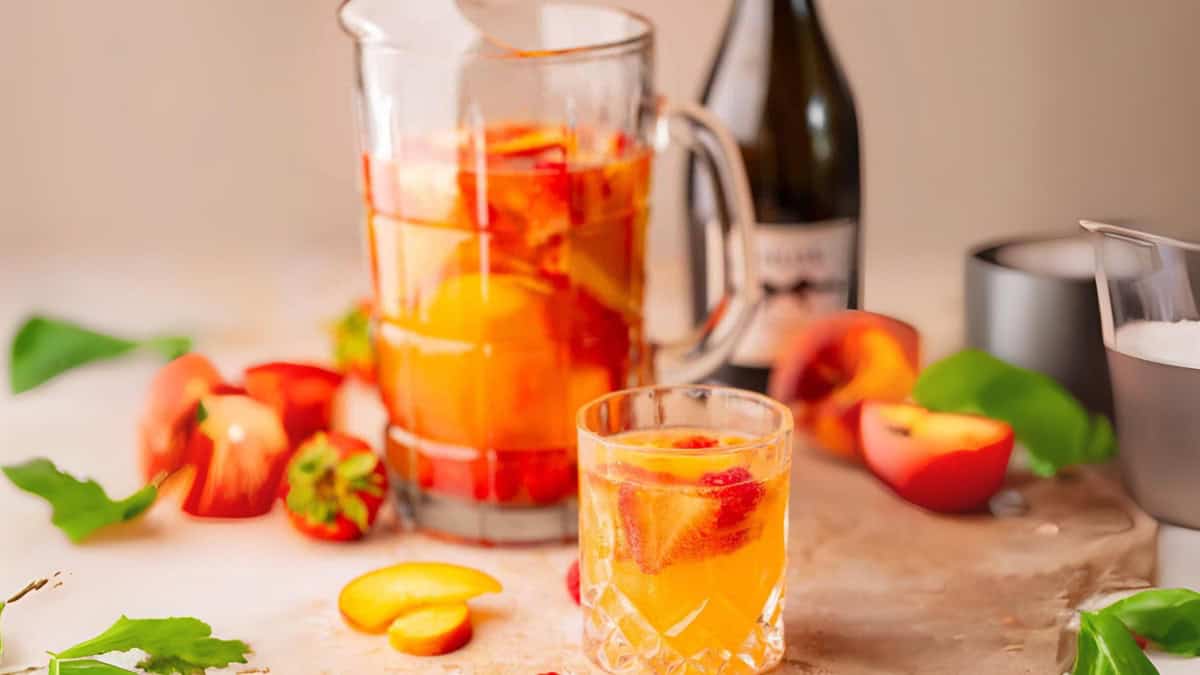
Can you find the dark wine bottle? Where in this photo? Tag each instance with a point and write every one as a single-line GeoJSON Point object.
{"type": "Point", "coordinates": [778, 87]}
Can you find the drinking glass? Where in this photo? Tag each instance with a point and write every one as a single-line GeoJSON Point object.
{"type": "Point", "coordinates": [506, 157]}
{"type": "Point", "coordinates": [683, 529]}
{"type": "Point", "coordinates": [1148, 287]}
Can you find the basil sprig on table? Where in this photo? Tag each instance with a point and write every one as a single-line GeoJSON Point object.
{"type": "Point", "coordinates": [178, 645]}
{"type": "Point", "coordinates": [79, 507]}
{"type": "Point", "coordinates": [1168, 618]}
{"type": "Point", "coordinates": [45, 348]}
{"type": "Point", "coordinates": [1054, 427]}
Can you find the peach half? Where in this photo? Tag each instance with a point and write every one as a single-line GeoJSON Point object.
{"type": "Point", "coordinates": [835, 364]}
{"type": "Point", "coordinates": [941, 461]}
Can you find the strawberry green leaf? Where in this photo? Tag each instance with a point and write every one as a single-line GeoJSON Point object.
{"type": "Point", "coordinates": [174, 646]}
{"type": "Point", "coordinates": [352, 339]}
{"type": "Point", "coordinates": [1168, 617]}
{"type": "Point", "coordinates": [355, 511]}
{"type": "Point", "coordinates": [1106, 647]}
{"type": "Point", "coordinates": [79, 507]}
{"type": "Point", "coordinates": [45, 348]}
{"type": "Point", "coordinates": [1052, 425]}
{"type": "Point", "coordinates": [357, 466]}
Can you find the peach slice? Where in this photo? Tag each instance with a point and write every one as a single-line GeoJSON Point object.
{"type": "Point", "coordinates": [835, 364]}
{"type": "Point", "coordinates": [433, 630]}
{"type": "Point", "coordinates": [373, 600]}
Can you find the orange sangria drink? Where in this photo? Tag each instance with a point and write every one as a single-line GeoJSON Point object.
{"type": "Point", "coordinates": [683, 529]}
{"type": "Point", "coordinates": [508, 270]}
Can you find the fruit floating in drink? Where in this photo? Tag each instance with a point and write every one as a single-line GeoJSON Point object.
{"type": "Point", "coordinates": [683, 533]}
{"type": "Point", "coordinates": [508, 269]}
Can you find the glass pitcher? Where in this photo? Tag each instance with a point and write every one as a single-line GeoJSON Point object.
{"type": "Point", "coordinates": [506, 157]}
{"type": "Point", "coordinates": [1148, 288]}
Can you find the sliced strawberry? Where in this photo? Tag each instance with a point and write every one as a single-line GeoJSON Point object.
{"type": "Point", "coordinates": [738, 493]}
{"type": "Point", "coordinates": [548, 476]}
{"type": "Point", "coordinates": [665, 526]}
{"type": "Point", "coordinates": [239, 450]}
{"type": "Point", "coordinates": [302, 394]}
{"type": "Point", "coordinates": [335, 487]}
{"type": "Point", "coordinates": [480, 479]}
{"type": "Point", "coordinates": [695, 442]}
{"type": "Point", "coordinates": [573, 581]}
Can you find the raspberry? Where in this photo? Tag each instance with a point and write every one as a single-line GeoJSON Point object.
{"type": "Point", "coordinates": [738, 492]}
{"type": "Point", "coordinates": [573, 581]}
{"type": "Point", "coordinates": [695, 442]}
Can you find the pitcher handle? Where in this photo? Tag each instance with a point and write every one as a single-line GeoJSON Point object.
{"type": "Point", "coordinates": [710, 344]}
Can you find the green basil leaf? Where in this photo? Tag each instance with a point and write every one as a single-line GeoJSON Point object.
{"type": "Point", "coordinates": [45, 348]}
{"type": "Point", "coordinates": [87, 667]}
{"type": "Point", "coordinates": [79, 507]}
{"type": "Point", "coordinates": [1106, 647]}
{"type": "Point", "coordinates": [1053, 426]}
{"type": "Point", "coordinates": [178, 645]}
{"type": "Point", "coordinates": [1168, 617]}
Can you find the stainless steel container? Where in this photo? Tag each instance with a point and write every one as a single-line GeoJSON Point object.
{"type": "Point", "coordinates": [1038, 310]}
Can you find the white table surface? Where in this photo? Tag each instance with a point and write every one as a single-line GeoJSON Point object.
{"type": "Point", "coordinates": [255, 580]}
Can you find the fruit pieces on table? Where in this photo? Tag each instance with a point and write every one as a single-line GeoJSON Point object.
{"type": "Point", "coordinates": [835, 364]}
{"type": "Point", "coordinates": [573, 581]}
{"type": "Point", "coordinates": [334, 487]}
{"type": "Point", "coordinates": [170, 413]}
{"type": "Point", "coordinates": [302, 394]}
{"type": "Point", "coordinates": [239, 450]}
{"type": "Point", "coordinates": [236, 439]}
{"type": "Point", "coordinates": [944, 462]}
{"type": "Point", "coordinates": [432, 630]}
{"type": "Point", "coordinates": [374, 600]}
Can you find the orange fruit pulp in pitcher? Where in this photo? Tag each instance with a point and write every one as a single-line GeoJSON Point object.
{"type": "Point", "coordinates": [508, 268]}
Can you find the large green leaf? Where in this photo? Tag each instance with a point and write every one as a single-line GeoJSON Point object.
{"type": "Point", "coordinates": [1053, 426]}
{"type": "Point", "coordinates": [79, 507]}
{"type": "Point", "coordinates": [44, 348]}
{"type": "Point", "coordinates": [1168, 617]}
{"type": "Point", "coordinates": [1105, 647]}
{"type": "Point", "coordinates": [178, 645]}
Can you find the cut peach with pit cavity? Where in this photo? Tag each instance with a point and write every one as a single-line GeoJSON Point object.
{"type": "Point", "coordinates": [838, 362]}
{"type": "Point", "coordinates": [375, 599]}
{"type": "Point", "coordinates": [432, 630]}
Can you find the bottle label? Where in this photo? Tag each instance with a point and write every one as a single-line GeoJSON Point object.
{"type": "Point", "coordinates": [805, 272]}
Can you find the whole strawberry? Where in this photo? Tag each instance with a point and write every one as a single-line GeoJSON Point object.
{"type": "Point", "coordinates": [334, 487]}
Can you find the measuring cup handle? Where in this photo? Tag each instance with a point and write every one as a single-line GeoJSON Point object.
{"type": "Point", "coordinates": [709, 345]}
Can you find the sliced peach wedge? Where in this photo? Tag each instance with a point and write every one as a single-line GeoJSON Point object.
{"type": "Point", "coordinates": [374, 600]}
{"type": "Point", "coordinates": [432, 630]}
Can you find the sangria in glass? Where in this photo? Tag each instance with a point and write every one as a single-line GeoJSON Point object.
{"type": "Point", "coordinates": [683, 529]}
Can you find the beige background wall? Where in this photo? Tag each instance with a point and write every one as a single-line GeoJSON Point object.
{"type": "Point", "coordinates": [166, 126]}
